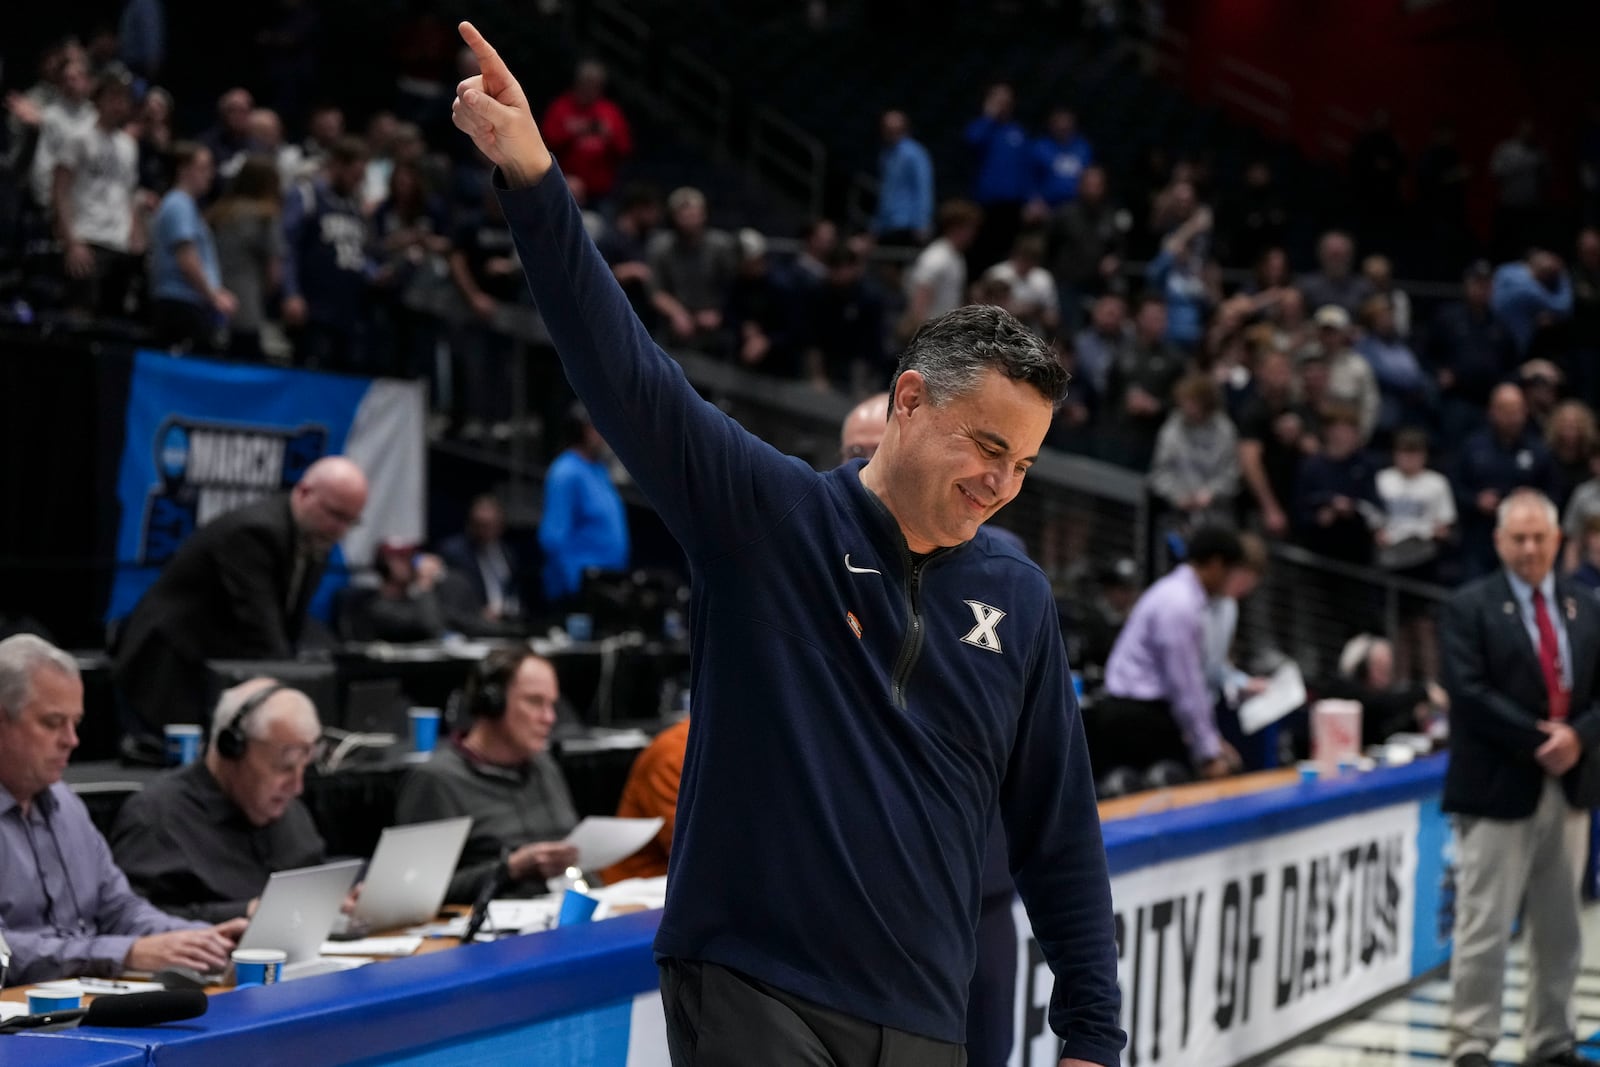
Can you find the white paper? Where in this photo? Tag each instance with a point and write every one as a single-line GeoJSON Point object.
{"type": "Point", "coordinates": [9, 1010]}
{"type": "Point", "coordinates": [397, 945]}
{"type": "Point", "coordinates": [645, 892]}
{"type": "Point", "coordinates": [101, 987]}
{"type": "Point", "coordinates": [602, 840]}
{"type": "Point", "coordinates": [523, 916]}
{"type": "Point", "coordinates": [1285, 691]}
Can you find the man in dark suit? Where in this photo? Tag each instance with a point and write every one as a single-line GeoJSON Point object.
{"type": "Point", "coordinates": [238, 588]}
{"type": "Point", "coordinates": [484, 588]}
{"type": "Point", "coordinates": [1519, 652]}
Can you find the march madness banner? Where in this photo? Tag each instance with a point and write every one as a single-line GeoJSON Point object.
{"type": "Point", "coordinates": [204, 437]}
{"type": "Point", "coordinates": [1227, 954]}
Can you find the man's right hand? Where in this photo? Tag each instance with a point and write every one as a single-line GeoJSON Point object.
{"type": "Point", "coordinates": [544, 858]}
{"type": "Point", "coordinates": [206, 951]}
{"type": "Point", "coordinates": [1224, 763]}
{"type": "Point", "coordinates": [491, 109]}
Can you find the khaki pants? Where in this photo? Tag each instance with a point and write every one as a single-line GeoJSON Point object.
{"type": "Point", "coordinates": [1535, 865]}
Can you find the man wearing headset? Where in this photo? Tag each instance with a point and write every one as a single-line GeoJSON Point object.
{"type": "Point", "coordinates": [66, 908]}
{"type": "Point", "coordinates": [501, 773]}
{"type": "Point", "coordinates": [202, 840]}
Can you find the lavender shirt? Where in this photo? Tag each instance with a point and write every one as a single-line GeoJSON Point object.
{"type": "Point", "coordinates": [65, 907]}
{"type": "Point", "coordinates": [1158, 656]}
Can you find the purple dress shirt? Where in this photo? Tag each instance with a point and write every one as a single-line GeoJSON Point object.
{"type": "Point", "coordinates": [65, 907]}
{"type": "Point", "coordinates": [1158, 656]}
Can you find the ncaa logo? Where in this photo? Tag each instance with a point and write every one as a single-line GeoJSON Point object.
{"type": "Point", "coordinates": [172, 456]}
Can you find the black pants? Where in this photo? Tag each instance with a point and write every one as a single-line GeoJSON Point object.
{"type": "Point", "coordinates": [720, 1018]}
{"type": "Point", "coordinates": [1122, 732]}
{"type": "Point", "coordinates": [992, 995]}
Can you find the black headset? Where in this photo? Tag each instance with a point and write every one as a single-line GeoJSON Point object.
{"type": "Point", "coordinates": [488, 685]}
{"type": "Point", "coordinates": [232, 739]}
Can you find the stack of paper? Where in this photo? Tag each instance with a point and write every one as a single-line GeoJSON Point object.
{"type": "Point", "coordinates": [373, 946]}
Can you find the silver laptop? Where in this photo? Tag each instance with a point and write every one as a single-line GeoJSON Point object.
{"type": "Point", "coordinates": [409, 874]}
{"type": "Point", "coordinates": [298, 908]}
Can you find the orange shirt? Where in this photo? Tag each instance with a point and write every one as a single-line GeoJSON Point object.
{"type": "Point", "coordinates": [652, 790]}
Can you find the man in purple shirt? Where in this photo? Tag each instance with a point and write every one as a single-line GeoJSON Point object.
{"type": "Point", "coordinates": [65, 907]}
{"type": "Point", "coordinates": [1157, 705]}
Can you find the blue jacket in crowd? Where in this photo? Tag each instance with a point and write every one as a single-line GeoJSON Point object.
{"type": "Point", "coordinates": [1519, 299]}
{"type": "Point", "coordinates": [1005, 167]}
{"type": "Point", "coordinates": [583, 523]}
{"type": "Point", "coordinates": [905, 196]}
{"type": "Point", "coordinates": [1058, 167]}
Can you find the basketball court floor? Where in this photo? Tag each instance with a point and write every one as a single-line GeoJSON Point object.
{"type": "Point", "coordinates": [1410, 1030]}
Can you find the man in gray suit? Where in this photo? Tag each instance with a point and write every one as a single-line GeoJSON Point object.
{"type": "Point", "coordinates": [1519, 652]}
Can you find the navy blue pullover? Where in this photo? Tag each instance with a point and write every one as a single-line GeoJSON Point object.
{"type": "Point", "coordinates": [858, 712]}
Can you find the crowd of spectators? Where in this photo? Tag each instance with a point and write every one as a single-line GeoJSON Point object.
{"type": "Point", "coordinates": [1327, 406]}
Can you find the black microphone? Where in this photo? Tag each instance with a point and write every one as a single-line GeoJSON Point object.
{"type": "Point", "coordinates": [126, 1011]}
{"type": "Point", "coordinates": [146, 1009]}
{"type": "Point", "coordinates": [498, 880]}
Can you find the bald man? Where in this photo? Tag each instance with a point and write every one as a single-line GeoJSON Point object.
{"type": "Point", "coordinates": [863, 429]}
{"type": "Point", "coordinates": [201, 841]}
{"type": "Point", "coordinates": [238, 588]}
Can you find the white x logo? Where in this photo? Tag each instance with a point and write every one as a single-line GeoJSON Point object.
{"type": "Point", "coordinates": [983, 635]}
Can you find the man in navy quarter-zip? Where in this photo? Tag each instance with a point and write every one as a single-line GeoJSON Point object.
{"type": "Point", "coordinates": [873, 677]}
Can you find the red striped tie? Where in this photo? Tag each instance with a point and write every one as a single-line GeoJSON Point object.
{"type": "Point", "coordinates": [1550, 660]}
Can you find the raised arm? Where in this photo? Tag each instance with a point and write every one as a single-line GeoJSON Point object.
{"type": "Point", "coordinates": [716, 486]}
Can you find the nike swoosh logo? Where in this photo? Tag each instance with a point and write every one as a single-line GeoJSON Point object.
{"type": "Point", "coordinates": [857, 570]}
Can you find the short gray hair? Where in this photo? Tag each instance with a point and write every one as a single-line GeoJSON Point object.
{"type": "Point", "coordinates": [953, 351]}
{"type": "Point", "coordinates": [20, 657]}
{"type": "Point", "coordinates": [233, 700]}
{"type": "Point", "coordinates": [1526, 498]}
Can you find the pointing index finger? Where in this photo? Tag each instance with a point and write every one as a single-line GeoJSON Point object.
{"type": "Point", "coordinates": [482, 49]}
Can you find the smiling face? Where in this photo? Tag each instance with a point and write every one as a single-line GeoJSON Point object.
{"type": "Point", "coordinates": [959, 462]}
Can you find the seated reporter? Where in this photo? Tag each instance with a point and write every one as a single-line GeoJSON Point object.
{"type": "Point", "coordinates": [65, 907]}
{"type": "Point", "coordinates": [406, 605]}
{"type": "Point", "coordinates": [501, 773]}
{"type": "Point", "coordinates": [202, 840]}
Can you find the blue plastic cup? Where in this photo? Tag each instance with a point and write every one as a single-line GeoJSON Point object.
{"type": "Point", "coordinates": [576, 908]}
{"type": "Point", "coordinates": [258, 966]}
{"type": "Point", "coordinates": [580, 626]}
{"type": "Point", "coordinates": [183, 743]}
{"type": "Point", "coordinates": [424, 729]}
{"type": "Point", "coordinates": [54, 996]}
{"type": "Point", "coordinates": [1308, 772]}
